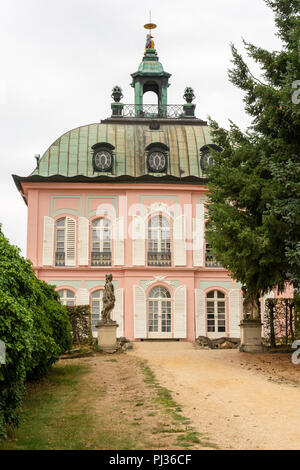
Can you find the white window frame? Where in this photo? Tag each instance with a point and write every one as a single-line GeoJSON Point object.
{"type": "Point", "coordinates": [162, 241]}
{"type": "Point", "coordinates": [160, 314]}
{"type": "Point", "coordinates": [67, 299]}
{"type": "Point", "coordinates": [60, 228]}
{"type": "Point", "coordinates": [216, 320]}
{"type": "Point", "coordinates": [96, 298]}
{"type": "Point", "coordinates": [101, 235]}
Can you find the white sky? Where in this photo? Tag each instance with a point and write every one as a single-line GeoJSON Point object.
{"type": "Point", "coordinates": [61, 58]}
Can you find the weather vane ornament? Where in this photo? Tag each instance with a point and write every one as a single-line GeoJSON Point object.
{"type": "Point", "coordinates": [149, 41]}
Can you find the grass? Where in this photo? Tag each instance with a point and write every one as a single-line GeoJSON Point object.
{"type": "Point", "coordinates": [47, 403]}
{"type": "Point", "coordinates": [58, 414]}
{"type": "Point", "coordinates": [188, 435]}
{"type": "Point", "coordinates": [66, 411]}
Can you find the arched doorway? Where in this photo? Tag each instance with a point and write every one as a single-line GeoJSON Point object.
{"type": "Point", "coordinates": [159, 313]}
{"type": "Point", "coordinates": [216, 312]}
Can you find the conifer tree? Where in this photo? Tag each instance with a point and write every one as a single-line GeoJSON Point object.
{"type": "Point", "coordinates": [254, 201]}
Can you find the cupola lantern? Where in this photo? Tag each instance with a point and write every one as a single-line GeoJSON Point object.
{"type": "Point", "coordinates": [150, 77]}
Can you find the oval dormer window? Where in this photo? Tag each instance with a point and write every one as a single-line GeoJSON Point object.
{"type": "Point", "coordinates": [103, 156]}
{"type": "Point", "coordinates": [157, 157]}
{"type": "Point", "coordinates": [206, 159]}
{"type": "Point", "coordinates": [157, 161]}
{"type": "Point", "coordinates": [103, 160]}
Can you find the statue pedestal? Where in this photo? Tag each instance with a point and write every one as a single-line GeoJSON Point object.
{"type": "Point", "coordinates": [251, 336]}
{"type": "Point", "coordinates": [107, 336]}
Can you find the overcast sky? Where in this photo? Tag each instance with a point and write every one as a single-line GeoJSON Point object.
{"type": "Point", "coordinates": [61, 58]}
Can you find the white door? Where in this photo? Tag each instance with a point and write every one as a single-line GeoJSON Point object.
{"type": "Point", "coordinates": [216, 313]}
{"type": "Point", "coordinates": [159, 313]}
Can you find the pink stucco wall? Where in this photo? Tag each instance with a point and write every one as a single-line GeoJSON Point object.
{"type": "Point", "coordinates": [79, 199]}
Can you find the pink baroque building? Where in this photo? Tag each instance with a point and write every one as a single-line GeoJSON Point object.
{"type": "Point", "coordinates": [127, 196]}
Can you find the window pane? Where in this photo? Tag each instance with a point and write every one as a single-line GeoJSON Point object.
{"type": "Point", "coordinates": [154, 221]}
{"type": "Point", "coordinates": [96, 223]}
{"type": "Point", "coordinates": [96, 294]}
{"type": "Point", "coordinates": [70, 294]}
{"type": "Point", "coordinates": [210, 294]}
{"type": "Point", "coordinates": [159, 291]}
{"type": "Point", "coordinates": [153, 234]}
{"type": "Point", "coordinates": [60, 222]}
{"type": "Point", "coordinates": [154, 292]}
{"type": "Point", "coordinates": [221, 295]}
{"type": "Point", "coordinates": [164, 222]}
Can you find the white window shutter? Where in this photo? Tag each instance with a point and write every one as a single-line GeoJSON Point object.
{"type": "Point", "coordinates": [70, 242]}
{"type": "Point", "coordinates": [198, 237]}
{"type": "Point", "coordinates": [119, 241]}
{"type": "Point", "coordinates": [48, 241]}
{"type": "Point", "coordinates": [235, 310]}
{"type": "Point", "coordinates": [179, 241]}
{"type": "Point", "coordinates": [180, 312]}
{"type": "Point", "coordinates": [138, 241]}
{"type": "Point", "coordinates": [82, 297]}
{"type": "Point", "coordinates": [139, 312]}
{"type": "Point", "coordinates": [200, 312]}
{"type": "Point", "coordinates": [83, 241]}
{"type": "Point", "coordinates": [118, 313]}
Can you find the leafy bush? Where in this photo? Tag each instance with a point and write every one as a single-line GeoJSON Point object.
{"type": "Point", "coordinates": [33, 325]}
{"type": "Point", "coordinates": [16, 327]}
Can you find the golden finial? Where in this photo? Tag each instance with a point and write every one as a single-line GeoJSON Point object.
{"type": "Point", "coordinates": [149, 26]}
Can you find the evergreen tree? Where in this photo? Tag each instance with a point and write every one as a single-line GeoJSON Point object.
{"type": "Point", "coordinates": [254, 203]}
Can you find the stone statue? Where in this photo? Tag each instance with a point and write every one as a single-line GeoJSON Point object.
{"type": "Point", "coordinates": [108, 300]}
{"type": "Point", "coordinates": [251, 308]}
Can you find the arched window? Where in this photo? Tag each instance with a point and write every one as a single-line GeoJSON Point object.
{"type": "Point", "coordinates": [159, 241]}
{"type": "Point", "coordinates": [159, 313]}
{"type": "Point", "coordinates": [67, 297]}
{"type": "Point", "coordinates": [101, 242]}
{"type": "Point", "coordinates": [96, 297]}
{"type": "Point", "coordinates": [210, 260]}
{"type": "Point", "coordinates": [216, 310]}
{"type": "Point", "coordinates": [60, 251]}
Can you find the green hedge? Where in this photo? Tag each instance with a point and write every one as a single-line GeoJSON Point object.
{"type": "Point", "coordinates": [33, 325]}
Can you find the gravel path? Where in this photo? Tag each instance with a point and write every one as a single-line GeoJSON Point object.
{"type": "Point", "coordinates": [236, 407]}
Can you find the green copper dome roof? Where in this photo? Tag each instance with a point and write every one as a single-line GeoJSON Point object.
{"type": "Point", "coordinates": [71, 154]}
{"type": "Point", "coordinates": [151, 67]}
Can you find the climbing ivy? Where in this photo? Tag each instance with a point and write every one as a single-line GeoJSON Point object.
{"type": "Point", "coordinates": [81, 321]}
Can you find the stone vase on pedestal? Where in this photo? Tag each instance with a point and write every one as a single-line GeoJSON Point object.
{"type": "Point", "coordinates": [107, 336]}
{"type": "Point", "coordinates": [251, 340]}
